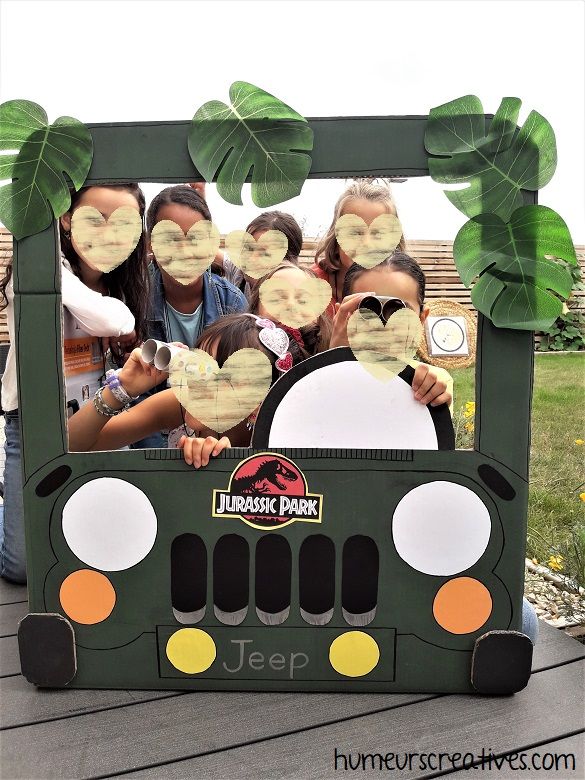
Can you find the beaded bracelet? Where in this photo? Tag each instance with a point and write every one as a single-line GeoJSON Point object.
{"type": "Point", "coordinates": [116, 388]}
{"type": "Point", "coordinates": [103, 408]}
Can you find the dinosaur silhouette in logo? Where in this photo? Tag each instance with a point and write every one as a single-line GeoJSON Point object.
{"type": "Point", "coordinates": [270, 474]}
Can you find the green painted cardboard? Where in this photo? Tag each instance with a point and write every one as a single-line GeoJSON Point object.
{"type": "Point", "coordinates": [360, 488]}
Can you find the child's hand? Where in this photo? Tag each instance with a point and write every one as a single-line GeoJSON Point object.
{"type": "Point", "coordinates": [343, 312]}
{"type": "Point", "coordinates": [197, 451]}
{"type": "Point", "coordinates": [120, 344]}
{"type": "Point", "coordinates": [136, 376]}
{"type": "Point", "coordinates": [428, 389]}
{"type": "Point", "coordinates": [120, 347]}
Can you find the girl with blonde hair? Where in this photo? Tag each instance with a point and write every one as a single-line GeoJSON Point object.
{"type": "Point", "coordinates": [366, 200]}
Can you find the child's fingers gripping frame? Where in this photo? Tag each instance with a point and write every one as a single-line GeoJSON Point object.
{"type": "Point", "coordinates": [198, 451]}
{"type": "Point", "coordinates": [444, 398]}
{"type": "Point", "coordinates": [423, 389]}
{"type": "Point", "coordinates": [207, 447]}
{"type": "Point", "coordinates": [189, 445]}
{"type": "Point", "coordinates": [428, 388]}
{"type": "Point", "coordinates": [420, 374]}
{"type": "Point", "coordinates": [221, 445]}
{"type": "Point", "coordinates": [436, 391]}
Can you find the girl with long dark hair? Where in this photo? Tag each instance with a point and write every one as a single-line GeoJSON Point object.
{"type": "Point", "coordinates": [100, 310]}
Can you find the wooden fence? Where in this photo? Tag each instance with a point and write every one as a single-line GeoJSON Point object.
{"type": "Point", "coordinates": [434, 257]}
{"type": "Point", "coordinates": [436, 260]}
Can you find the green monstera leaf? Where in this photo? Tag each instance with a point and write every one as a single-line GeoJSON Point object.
{"type": "Point", "coordinates": [497, 164]}
{"type": "Point", "coordinates": [257, 133]}
{"type": "Point", "coordinates": [40, 155]}
{"type": "Point", "coordinates": [517, 281]}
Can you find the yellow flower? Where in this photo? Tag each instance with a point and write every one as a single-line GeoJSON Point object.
{"type": "Point", "coordinates": [469, 427]}
{"type": "Point", "coordinates": [579, 441]}
{"type": "Point", "coordinates": [555, 562]}
{"type": "Point", "coordinates": [469, 409]}
{"type": "Point", "coordinates": [582, 496]}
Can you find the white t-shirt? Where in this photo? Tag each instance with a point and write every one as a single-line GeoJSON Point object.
{"type": "Point", "coordinates": [87, 314]}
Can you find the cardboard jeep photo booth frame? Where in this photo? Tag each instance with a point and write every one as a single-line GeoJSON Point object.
{"type": "Point", "coordinates": [339, 566]}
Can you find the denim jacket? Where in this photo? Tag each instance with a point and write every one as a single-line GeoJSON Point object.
{"type": "Point", "coordinates": [220, 297]}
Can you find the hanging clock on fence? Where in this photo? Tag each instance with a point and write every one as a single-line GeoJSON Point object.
{"type": "Point", "coordinates": [447, 335]}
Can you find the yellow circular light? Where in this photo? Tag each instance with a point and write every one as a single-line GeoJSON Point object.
{"type": "Point", "coordinates": [191, 650]}
{"type": "Point", "coordinates": [354, 654]}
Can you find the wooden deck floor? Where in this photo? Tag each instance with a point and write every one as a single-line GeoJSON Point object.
{"type": "Point", "coordinates": [97, 734]}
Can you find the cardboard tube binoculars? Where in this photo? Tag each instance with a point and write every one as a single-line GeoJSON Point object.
{"type": "Point", "coordinates": [159, 354]}
{"type": "Point", "coordinates": [382, 305]}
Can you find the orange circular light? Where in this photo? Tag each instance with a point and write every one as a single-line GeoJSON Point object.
{"type": "Point", "coordinates": [87, 596]}
{"type": "Point", "coordinates": [462, 605]}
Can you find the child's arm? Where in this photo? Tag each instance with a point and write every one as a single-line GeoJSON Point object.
{"type": "Point", "coordinates": [197, 451]}
{"type": "Point", "coordinates": [156, 413]}
{"type": "Point", "coordinates": [90, 430]}
{"type": "Point", "coordinates": [98, 315]}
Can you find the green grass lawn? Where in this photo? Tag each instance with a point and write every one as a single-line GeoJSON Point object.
{"type": "Point", "coordinates": [555, 512]}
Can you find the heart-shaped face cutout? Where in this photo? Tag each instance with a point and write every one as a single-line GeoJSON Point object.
{"type": "Point", "coordinates": [295, 303]}
{"type": "Point", "coordinates": [384, 350]}
{"type": "Point", "coordinates": [256, 258]}
{"type": "Point", "coordinates": [368, 245]}
{"type": "Point", "coordinates": [220, 397]}
{"type": "Point", "coordinates": [104, 245]}
{"type": "Point", "coordinates": [185, 257]}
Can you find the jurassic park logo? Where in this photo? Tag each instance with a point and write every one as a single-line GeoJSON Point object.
{"type": "Point", "coordinates": [268, 491]}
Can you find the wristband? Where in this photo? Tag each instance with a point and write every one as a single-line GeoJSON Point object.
{"type": "Point", "coordinates": [116, 388]}
{"type": "Point", "coordinates": [103, 408]}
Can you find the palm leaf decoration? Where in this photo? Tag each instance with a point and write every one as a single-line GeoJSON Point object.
{"type": "Point", "coordinates": [258, 134]}
{"type": "Point", "coordinates": [519, 284]}
{"type": "Point", "coordinates": [40, 155]}
{"type": "Point", "coordinates": [497, 164]}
